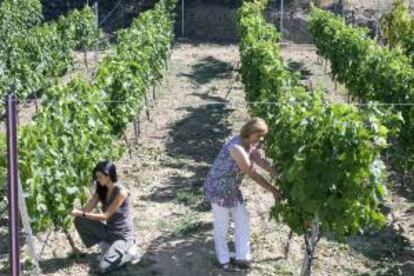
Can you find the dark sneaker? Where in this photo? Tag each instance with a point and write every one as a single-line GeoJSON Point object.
{"type": "Point", "coordinates": [228, 267]}
{"type": "Point", "coordinates": [243, 264]}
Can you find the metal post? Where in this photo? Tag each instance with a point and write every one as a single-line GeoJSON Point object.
{"type": "Point", "coordinates": [281, 16]}
{"type": "Point", "coordinates": [182, 18]}
{"type": "Point", "coordinates": [377, 27]}
{"type": "Point", "coordinates": [12, 172]}
{"type": "Point", "coordinates": [96, 9]}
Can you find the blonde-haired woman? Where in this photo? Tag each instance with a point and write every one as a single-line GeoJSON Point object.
{"type": "Point", "coordinates": [222, 190]}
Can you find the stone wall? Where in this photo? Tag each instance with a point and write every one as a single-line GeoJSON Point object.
{"type": "Point", "coordinates": [120, 15]}
{"type": "Point", "coordinates": [206, 21]}
{"type": "Point", "coordinates": [215, 20]}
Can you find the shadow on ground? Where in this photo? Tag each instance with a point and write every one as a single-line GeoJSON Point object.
{"type": "Point", "coordinates": [195, 141]}
{"type": "Point", "coordinates": [209, 69]}
{"type": "Point", "coordinates": [53, 265]}
{"type": "Point", "coordinates": [181, 254]}
{"type": "Point", "coordinates": [188, 254]}
{"type": "Point", "coordinates": [185, 253]}
{"type": "Point", "coordinates": [388, 247]}
{"type": "Point", "coordinates": [404, 185]}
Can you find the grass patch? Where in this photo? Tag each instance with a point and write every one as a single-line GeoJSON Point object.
{"type": "Point", "coordinates": [185, 225]}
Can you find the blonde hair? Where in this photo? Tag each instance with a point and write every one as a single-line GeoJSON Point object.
{"type": "Point", "coordinates": [254, 125]}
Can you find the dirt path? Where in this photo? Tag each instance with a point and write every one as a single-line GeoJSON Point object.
{"type": "Point", "coordinates": [191, 119]}
{"type": "Point", "coordinates": [190, 123]}
{"type": "Point", "coordinates": [303, 58]}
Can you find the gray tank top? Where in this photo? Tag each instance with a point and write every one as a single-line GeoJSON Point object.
{"type": "Point", "coordinates": [121, 223]}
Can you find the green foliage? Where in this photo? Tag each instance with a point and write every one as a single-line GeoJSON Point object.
{"type": "Point", "coordinates": [134, 67]}
{"type": "Point", "coordinates": [78, 122]}
{"type": "Point", "coordinates": [35, 54]}
{"type": "Point", "coordinates": [17, 16]}
{"type": "Point", "coordinates": [16, 19]}
{"type": "Point", "coordinates": [329, 155]}
{"type": "Point", "coordinates": [79, 28]}
{"type": "Point", "coordinates": [397, 27]}
{"type": "Point", "coordinates": [59, 150]}
{"type": "Point", "coordinates": [370, 72]}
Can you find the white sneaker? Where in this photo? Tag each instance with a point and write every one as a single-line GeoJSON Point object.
{"type": "Point", "coordinates": [134, 254]}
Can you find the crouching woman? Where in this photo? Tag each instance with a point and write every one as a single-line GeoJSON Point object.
{"type": "Point", "coordinates": [116, 236]}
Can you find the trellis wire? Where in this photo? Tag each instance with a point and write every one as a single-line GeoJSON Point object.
{"type": "Point", "coordinates": [108, 15]}
{"type": "Point", "coordinates": [243, 103]}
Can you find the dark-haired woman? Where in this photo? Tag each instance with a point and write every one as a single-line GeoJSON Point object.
{"type": "Point", "coordinates": [118, 231]}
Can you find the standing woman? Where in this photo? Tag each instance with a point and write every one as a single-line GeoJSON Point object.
{"type": "Point", "coordinates": [222, 190]}
{"type": "Point", "coordinates": [118, 232]}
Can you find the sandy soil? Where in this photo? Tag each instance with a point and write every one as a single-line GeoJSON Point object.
{"type": "Point", "coordinates": [193, 115]}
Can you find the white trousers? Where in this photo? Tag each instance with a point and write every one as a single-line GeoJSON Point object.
{"type": "Point", "coordinates": [221, 216]}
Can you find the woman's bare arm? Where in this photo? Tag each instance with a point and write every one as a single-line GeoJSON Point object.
{"type": "Point", "coordinates": [92, 203]}
{"type": "Point", "coordinates": [243, 161]}
{"type": "Point", "coordinates": [260, 160]}
{"type": "Point", "coordinates": [112, 208]}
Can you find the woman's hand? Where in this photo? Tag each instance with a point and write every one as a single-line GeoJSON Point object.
{"type": "Point", "coordinates": [76, 213]}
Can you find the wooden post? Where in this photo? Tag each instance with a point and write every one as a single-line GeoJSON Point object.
{"type": "Point", "coordinates": [127, 145]}
{"type": "Point", "coordinates": [136, 131]}
{"type": "Point", "coordinates": [85, 59]}
{"type": "Point", "coordinates": [71, 242]}
{"type": "Point", "coordinates": [36, 104]}
{"type": "Point", "coordinates": [154, 96]}
{"type": "Point", "coordinates": [167, 73]}
{"type": "Point", "coordinates": [287, 246]}
{"type": "Point", "coordinates": [39, 256]}
{"type": "Point", "coordinates": [147, 106]}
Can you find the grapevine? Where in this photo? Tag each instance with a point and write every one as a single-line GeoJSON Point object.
{"type": "Point", "coordinates": [329, 155]}
{"type": "Point", "coordinates": [397, 27]}
{"type": "Point", "coordinates": [370, 72]}
{"type": "Point", "coordinates": [36, 54]}
{"type": "Point", "coordinates": [77, 122]}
